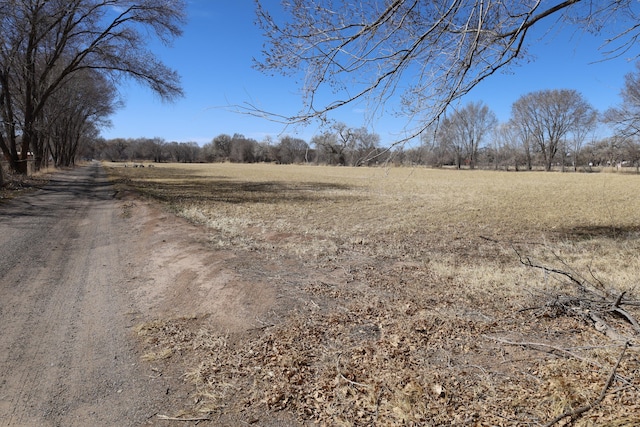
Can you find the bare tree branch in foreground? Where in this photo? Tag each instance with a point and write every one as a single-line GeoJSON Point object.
{"type": "Point", "coordinates": [421, 56]}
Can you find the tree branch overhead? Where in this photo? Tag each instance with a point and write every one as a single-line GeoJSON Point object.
{"type": "Point", "coordinates": [419, 56]}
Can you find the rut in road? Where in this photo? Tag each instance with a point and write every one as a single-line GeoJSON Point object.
{"type": "Point", "coordinates": [67, 352]}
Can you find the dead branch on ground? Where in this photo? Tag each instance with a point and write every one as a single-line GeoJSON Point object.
{"type": "Point", "coordinates": [559, 352]}
{"type": "Point", "coordinates": [546, 348]}
{"type": "Point", "coordinates": [593, 303]}
{"type": "Point", "coordinates": [578, 412]}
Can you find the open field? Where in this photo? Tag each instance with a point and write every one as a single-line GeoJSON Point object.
{"type": "Point", "coordinates": [411, 296]}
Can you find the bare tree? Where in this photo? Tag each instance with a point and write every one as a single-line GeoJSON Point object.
{"type": "Point", "coordinates": [115, 150]}
{"type": "Point", "coordinates": [45, 43]}
{"type": "Point", "coordinates": [291, 150]}
{"type": "Point", "coordinates": [468, 128]}
{"type": "Point", "coordinates": [607, 151]}
{"type": "Point", "coordinates": [347, 146]}
{"type": "Point", "coordinates": [506, 147]}
{"type": "Point", "coordinates": [242, 149]}
{"type": "Point", "coordinates": [185, 152]}
{"type": "Point", "coordinates": [625, 118]}
{"type": "Point", "coordinates": [346, 139]}
{"type": "Point", "coordinates": [579, 136]}
{"type": "Point", "coordinates": [549, 117]}
{"type": "Point", "coordinates": [209, 152]}
{"type": "Point", "coordinates": [432, 149]}
{"type": "Point", "coordinates": [427, 53]}
{"type": "Point", "coordinates": [74, 112]}
{"type": "Point", "coordinates": [365, 148]}
{"type": "Point", "coordinates": [156, 148]}
{"type": "Point", "coordinates": [327, 148]}
{"type": "Point", "coordinates": [632, 153]}
{"type": "Point", "coordinates": [450, 140]}
{"type": "Point", "coordinates": [263, 150]}
{"type": "Point", "coordinates": [222, 147]}
{"type": "Point", "coordinates": [523, 134]}
{"type": "Point", "coordinates": [333, 145]}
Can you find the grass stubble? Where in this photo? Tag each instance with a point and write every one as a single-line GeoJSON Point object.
{"type": "Point", "coordinates": [407, 302]}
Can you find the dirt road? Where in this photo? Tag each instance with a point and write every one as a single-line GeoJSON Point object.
{"type": "Point", "coordinates": [68, 354]}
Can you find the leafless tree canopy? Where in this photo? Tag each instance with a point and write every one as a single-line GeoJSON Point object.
{"type": "Point", "coordinates": [75, 111]}
{"type": "Point", "coordinates": [549, 118]}
{"type": "Point", "coordinates": [464, 132]}
{"type": "Point", "coordinates": [626, 117]}
{"type": "Point", "coordinates": [422, 55]}
{"type": "Point", "coordinates": [45, 44]}
{"type": "Point", "coordinates": [346, 146]}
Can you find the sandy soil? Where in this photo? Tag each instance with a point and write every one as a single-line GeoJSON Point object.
{"type": "Point", "coordinates": [80, 268]}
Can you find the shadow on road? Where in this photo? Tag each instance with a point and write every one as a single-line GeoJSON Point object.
{"type": "Point", "coordinates": [62, 193]}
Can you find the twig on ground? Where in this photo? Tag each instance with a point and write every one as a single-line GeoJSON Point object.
{"type": "Point", "coordinates": [616, 303]}
{"type": "Point", "coordinates": [526, 261]}
{"type": "Point", "coordinates": [260, 328]}
{"type": "Point", "coordinates": [603, 393]}
{"type": "Point", "coordinates": [598, 283]}
{"type": "Point", "coordinates": [345, 378]}
{"type": "Point", "coordinates": [629, 318]}
{"type": "Point", "coordinates": [565, 352]}
{"type": "Point", "coordinates": [584, 284]}
{"type": "Point", "coordinates": [547, 348]}
{"type": "Point", "coordinates": [615, 308]}
{"type": "Point", "coordinates": [601, 325]}
{"type": "Point", "coordinates": [166, 418]}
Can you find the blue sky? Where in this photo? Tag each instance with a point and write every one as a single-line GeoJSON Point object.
{"type": "Point", "coordinates": [214, 59]}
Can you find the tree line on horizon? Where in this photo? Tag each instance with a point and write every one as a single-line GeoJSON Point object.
{"type": "Point", "coordinates": [237, 148]}
{"type": "Point", "coordinates": [548, 129]}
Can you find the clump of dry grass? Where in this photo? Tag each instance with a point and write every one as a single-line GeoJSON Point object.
{"type": "Point", "coordinates": [430, 318]}
{"type": "Point", "coordinates": [15, 184]}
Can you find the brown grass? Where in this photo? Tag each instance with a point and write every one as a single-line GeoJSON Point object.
{"type": "Point", "coordinates": [15, 184]}
{"type": "Point", "coordinates": [404, 292]}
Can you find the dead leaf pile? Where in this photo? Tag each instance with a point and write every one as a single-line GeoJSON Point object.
{"type": "Point", "coordinates": [385, 353]}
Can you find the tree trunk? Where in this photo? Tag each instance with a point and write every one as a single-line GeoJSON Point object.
{"type": "Point", "coordinates": [25, 146]}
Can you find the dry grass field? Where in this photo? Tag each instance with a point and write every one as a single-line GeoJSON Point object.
{"type": "Point", "coordinates": [413, 296]}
